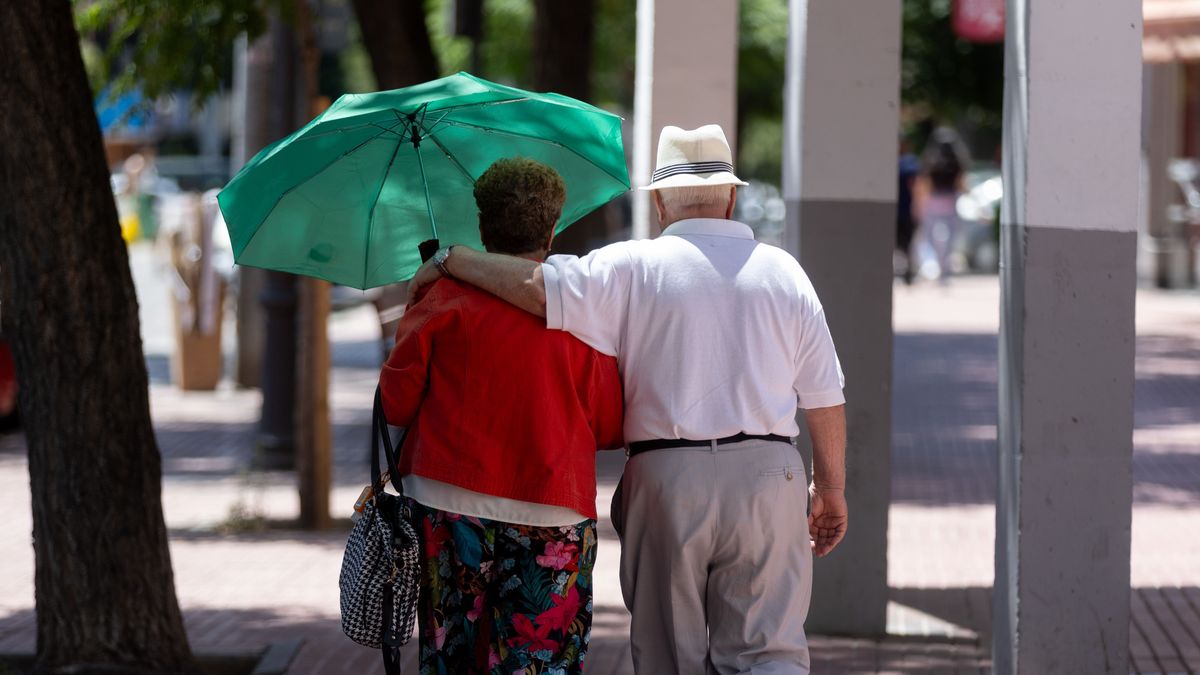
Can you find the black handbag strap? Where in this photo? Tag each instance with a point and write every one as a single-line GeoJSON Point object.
{"type": "Point", "coordinates": [380, 433]}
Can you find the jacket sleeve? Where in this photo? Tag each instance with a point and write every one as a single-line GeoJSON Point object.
{"type": "Point", "coordinates": [607, 403]}
{"type": "Point", "coordinates": [405, 375]}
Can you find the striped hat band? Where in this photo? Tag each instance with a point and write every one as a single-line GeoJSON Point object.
{"type": "Point", "coordinates": [691, 167]}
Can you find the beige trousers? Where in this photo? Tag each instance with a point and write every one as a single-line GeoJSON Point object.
{"type": "Point", "coordinates": [716, 566]}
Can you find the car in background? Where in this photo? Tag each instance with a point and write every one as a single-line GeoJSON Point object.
{"type": "Point", "coordinates": [8, 387]}
{"type": "Point", "coordinates": [978, 244]}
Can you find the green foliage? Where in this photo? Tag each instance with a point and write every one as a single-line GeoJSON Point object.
{"type": "Point", "coordinates": [508, 42]}
{"type": "Point", "coordinates": [759, 149]}
{"type": "Point", "coordinates": [355, 75]}
{"type": "Point", "coordinates": [613, 54]}
{"type": "Point", "coordinates": [762, 52]}
{"type": "Point", "coordinates": [947, 78]}
{"type": "Point", "coordinates": [163, 45]}
{"type": "Point", "coordinates": [453, 52]}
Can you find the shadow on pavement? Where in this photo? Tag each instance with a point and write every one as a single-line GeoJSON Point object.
{"type": "Point", "coordinates": [944, 412]}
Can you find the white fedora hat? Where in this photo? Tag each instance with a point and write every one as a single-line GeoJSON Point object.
{"type": "Point", "coordinates": [693, 157]}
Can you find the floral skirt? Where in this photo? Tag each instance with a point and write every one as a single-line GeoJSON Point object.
{"type": "Point", "coordinates": [504, 598]}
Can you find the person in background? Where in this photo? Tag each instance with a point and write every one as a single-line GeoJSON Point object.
{"type": "Point", "coordinates": [906, 223]}
{"type": "Point", "coordinates": [944, 165]}
{"type": "Point", "coordinates": [499, 465]}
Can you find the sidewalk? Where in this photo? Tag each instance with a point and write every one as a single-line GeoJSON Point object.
{"type": "Point", "coordinates": [241, 591]}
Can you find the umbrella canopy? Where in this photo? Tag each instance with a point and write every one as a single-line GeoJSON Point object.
{"type": "Point", "coordinates": [349, 197]}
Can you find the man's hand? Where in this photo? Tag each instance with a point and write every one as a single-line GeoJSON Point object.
{"type": "Point", "coordinates": [426, 274]}
{"type": "Point", "coordinates": [827, 522]}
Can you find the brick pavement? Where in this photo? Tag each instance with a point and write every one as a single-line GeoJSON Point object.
{"type": "Point", "coordinates": [242, 591]}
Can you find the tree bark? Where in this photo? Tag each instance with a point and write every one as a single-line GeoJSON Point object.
{"type": "Point", "coordinates": [251, 133]}
{"type": "Point", "coordinates": [563, 33]}
{"type": "Point", "coordinates": [314, 457]}
{"type": "Point", "coordinates": [562, 46]}
{"type": "Point", "coordinates": [104, 588]}
{"type": "Point", "coordinates": [397, 40]}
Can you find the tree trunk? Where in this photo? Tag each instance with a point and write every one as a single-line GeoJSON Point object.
{"type": "Point", "coordinates": [105, 598]}
{"type": "Point", "coordinates": [251, 133]}
{"type": "Point", "coordinates": [314, 457]}
{"type": "Point", "coordinates": [562, 46]}
{"type": "Point", "coordinates": [397, 39]}
{"type": "Point", "coordinates": [563, 33]}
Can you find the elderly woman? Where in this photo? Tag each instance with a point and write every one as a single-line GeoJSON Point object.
{"type": "Point", "coordinates": [504, 420]}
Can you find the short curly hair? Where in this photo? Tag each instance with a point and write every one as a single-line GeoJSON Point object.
{"type": "Point", "coordinates": [519, 203]}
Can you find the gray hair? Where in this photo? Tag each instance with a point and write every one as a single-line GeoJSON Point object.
{"type": "Point", "coordinates": [693, 197]}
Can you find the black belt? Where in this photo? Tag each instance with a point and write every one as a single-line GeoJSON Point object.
{"type": "Point", "coordinates": [638, 447]}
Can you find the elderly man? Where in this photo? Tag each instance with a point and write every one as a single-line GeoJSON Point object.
{"type": "Point", "coordinates": [718, 339]}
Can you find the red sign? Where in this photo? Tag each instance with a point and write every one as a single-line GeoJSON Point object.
{"type": "Point", "coordinates": [979, 20]}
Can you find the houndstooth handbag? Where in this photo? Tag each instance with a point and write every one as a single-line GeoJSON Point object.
{"type": "Point", "coordinates": [381, 571]}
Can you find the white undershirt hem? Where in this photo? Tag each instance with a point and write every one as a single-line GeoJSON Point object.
{"type": "Point", "coordinates": [446, 497]}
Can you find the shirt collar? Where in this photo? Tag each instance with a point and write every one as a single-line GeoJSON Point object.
{"type": "Point", "coordinates": [714, 226]}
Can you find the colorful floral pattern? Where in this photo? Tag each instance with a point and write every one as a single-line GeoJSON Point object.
{"type": "Point", "coordinates": [502, 598]}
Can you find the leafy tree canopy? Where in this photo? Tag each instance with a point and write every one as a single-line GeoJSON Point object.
{"type": "Point", "coordinates": [945, 77]}
{"type": "Point", "coordinates": [162, 45]}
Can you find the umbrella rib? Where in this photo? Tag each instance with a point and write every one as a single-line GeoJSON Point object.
{"type": "Point", "coordinates": [453, 160]}
{"type": "Point", "coordinates": [320, 171]}
{"type": "Point", "coordinates": [374, 203]}
{"type": "Point", "coordinates": [535, 138]}
{"type": "Point", "coordinates": [293, 188]}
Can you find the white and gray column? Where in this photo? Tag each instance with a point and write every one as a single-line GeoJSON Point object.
{"type": "Point", "coordinates": [1071, 163]}
{"type": "Point", "coordinates": [686, 77]}
{"type": "Point", "coordinates": [839, 173]}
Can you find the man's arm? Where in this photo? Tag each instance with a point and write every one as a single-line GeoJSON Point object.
{"type": "Point", "coordinates": [828, 520]}
{"type": "Point", "coordinates": [517, 281]}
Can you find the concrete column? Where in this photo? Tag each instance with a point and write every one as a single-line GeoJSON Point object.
{"type": "Point", "coordinates": [839, 184]}
{"type": "Point", "coordinates": [1071, 165]}
{"type": "Point", "coordinates": [686, 77]}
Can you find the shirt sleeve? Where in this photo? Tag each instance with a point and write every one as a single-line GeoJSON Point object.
{"type": "Point", "coordinates": [607, 403]}
{"type": "Point", "coordinates": [405, 375]}
{"type": "Point", "coordinates": [588, 297]}
{"type": "Point", "coordinates": [819, 379]}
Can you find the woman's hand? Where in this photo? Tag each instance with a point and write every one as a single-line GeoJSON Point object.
{"type": "Point", "coordinates": [426, 274]}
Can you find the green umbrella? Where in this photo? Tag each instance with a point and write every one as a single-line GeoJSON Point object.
{"type": "Point", "coordinates": [349, 197]}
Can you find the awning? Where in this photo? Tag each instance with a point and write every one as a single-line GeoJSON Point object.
{"type": "Point", "coordinates": [1171, 30]}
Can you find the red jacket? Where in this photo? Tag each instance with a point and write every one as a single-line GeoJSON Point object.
{"type": "Point", "coordinates": [498, 404]}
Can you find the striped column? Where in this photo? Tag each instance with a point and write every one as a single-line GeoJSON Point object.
{"type": "Point", "coordinates": [686, 77]}
{"type": "Point", "coordinates": [1071, 163]}
{"type": "Point", "coordinates": [839, 184]}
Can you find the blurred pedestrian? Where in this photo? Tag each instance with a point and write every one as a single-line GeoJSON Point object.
{"type": "Point", "coordinates": [499, 466]}
{"type": "Point", "coordinates": [906, 223]}
{"type": "Point", "coordinates": [936, 191]}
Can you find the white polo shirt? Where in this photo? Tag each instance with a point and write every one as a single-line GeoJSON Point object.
{"type": "Point", "coordinates": [714, 333]}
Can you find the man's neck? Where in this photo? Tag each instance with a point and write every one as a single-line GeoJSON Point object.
{"type": "Point", "coordinates": [693, 215]}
